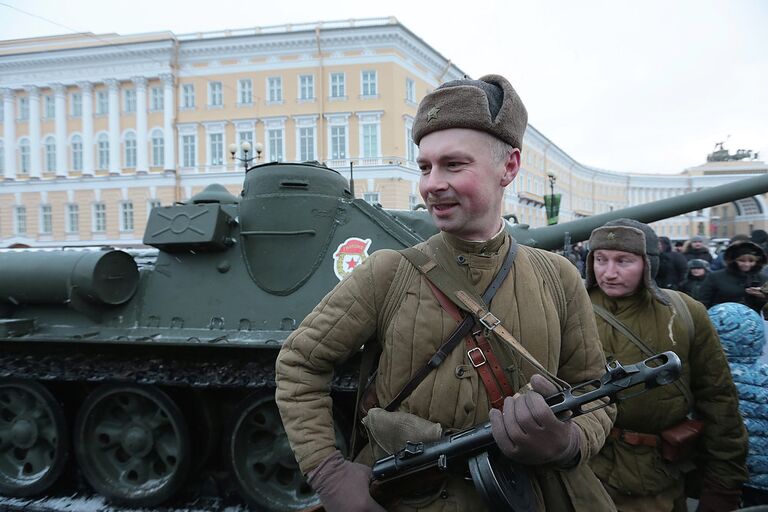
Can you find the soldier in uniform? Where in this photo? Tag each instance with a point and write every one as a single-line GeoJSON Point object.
{"type": "Point", "coordinates": [635, 317]}
{"type": "Point", "coordinates": [469, 134]}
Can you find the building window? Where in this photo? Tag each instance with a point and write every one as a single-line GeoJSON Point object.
{"type": "Point", "coordinates": [73, 218]}
{"type": "Point", "coordinates": [413, 201]}
{"type": "Point", "coordinates": [24, 156]}
{"type": "Point", "coordinates": [156, 99]}
{"type": "Point", "coordinates": [338, 89]}
{"type": "Point", "coordinates": [130, 150]}
{"type": "Point", "coordinates": [306, 87]}
{"type": "Point", "coordinates": [338, 142]}
{"type": "Point", "coordinates": [188, 96]}
{"type": "Point", "coordinates": [103, 151]}
{"type": "Point", "coordinates": [215, 95]}
{"type": "Point", "coordinates": [76, 104]}
{"type": "Point", "coordinates": [20, 220]}
{"type": "Point", "coordinates": [152, 204]}
{"type": "Point", "coordinates": [410, 90]}
{"type": "Point", "coordinates": [158, 148]}
{"type": "Point", "coordinates": [2, 158]}
{"type": "Point", "coordinates": [370, 140]}
{"type": "Point", "coordinates": [306, 144]}
{"type": "Point", "coordinates": [77, 153]}
{"type": "Point", "coordinates": [411, 149]}
{"type": "Point", "coordinates": [49, 107]}
{"type": "Point", "coordinates": [102, 102]}
{"type": "Point", "coordinates": [244, 137]}
{"type": "Point", "coordinates": [46, 219]}
{"type": "Point", "coordinates": [188, 150]}
{"type": "Point", "coordinates": [369, 83]}
{"type": "Point", "coordinates": [216, 148]}
{"type": "Point", "coordinates": [23, 109]}
{"type": "Point", "coordinates": [99, 217]}
{"type": "Point", "coordinates": [126, 216]}
{"type": "Point", "coordinates": [129, 100]}
{"type": "Point", "coordinates": [371, 197]}
{"type": "Point", "coordinates": [245, 91]}
{"type": "Point", "coordinates": [275, 89]}
{"type": "Point", "coordinates": [275, 144]}
{"type": "Point", "coordinates": [50, 154]}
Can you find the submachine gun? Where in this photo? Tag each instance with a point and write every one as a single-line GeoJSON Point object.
{"type": "Point", "coordinates": [503, 484]}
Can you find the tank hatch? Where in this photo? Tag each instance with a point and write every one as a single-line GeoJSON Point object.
{"type": "Point", "coordinates": [287, 179]}
{"type": "Point", "coordinates": [214, 193]}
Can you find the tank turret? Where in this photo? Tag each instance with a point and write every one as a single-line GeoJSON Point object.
{"type": "Point", "coordinates": [149, 372]}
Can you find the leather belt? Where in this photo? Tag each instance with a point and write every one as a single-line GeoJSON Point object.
{"type": "Point", "coordinates": [635, 438]}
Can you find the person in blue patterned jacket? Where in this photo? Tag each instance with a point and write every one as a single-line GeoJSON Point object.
{"type": "Point", "coordinates": [742, 334]}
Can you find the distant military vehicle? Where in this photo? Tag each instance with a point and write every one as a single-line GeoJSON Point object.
{"type": "Point", "coordinates": [145, 370]}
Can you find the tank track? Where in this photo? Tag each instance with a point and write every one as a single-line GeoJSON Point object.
{"type": "Point", "coordinates": [255, 372]}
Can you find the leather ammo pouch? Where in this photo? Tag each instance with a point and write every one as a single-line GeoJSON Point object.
{"type": "Point", "coordinates": [678, 442]}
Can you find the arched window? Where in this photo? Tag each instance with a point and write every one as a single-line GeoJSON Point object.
{"type": "Point", "coordinates": [50, 154]}
{"type": "Point", "coordinates": [130, 149]}
{"type": "Point", "coordinates": [158, 148]}
{"type": "Point", "coordinates": [77, 153]}
{"type": "Point", "coordinates": [24, 159]}
{"type": "Point", "coordinates": [103, 150]}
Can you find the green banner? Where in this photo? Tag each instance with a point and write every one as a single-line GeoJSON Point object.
{"type": "Point", "coordinates": [552, 204]}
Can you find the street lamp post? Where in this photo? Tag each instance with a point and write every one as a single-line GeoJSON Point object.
{"type": "Point", "coordinates": [245, 148]}
{"type": "Point", "coordinates": [551, 204]}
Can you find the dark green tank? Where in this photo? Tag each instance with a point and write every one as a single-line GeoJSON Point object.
{"type": "Point", "coordinates": [151, 371]}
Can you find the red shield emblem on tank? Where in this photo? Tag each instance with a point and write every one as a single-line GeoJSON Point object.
{"type": "Point", "coordinates": [350, 253]}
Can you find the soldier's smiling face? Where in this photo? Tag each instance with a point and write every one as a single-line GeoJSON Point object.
{"type": "Point", "coordinates": [462, 181]}
{"type": "Point", "coordinates": [618, 273]}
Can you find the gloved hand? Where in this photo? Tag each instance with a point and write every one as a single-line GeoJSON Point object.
{"type": "Point", "coordinates": [343, 485]}
{"type": "Point", "coordinates": [528, 431]}
{"type": "Point", "coordinates": [715, 498]}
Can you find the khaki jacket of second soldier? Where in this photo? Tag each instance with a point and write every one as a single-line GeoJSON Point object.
{"type": "Point", "coordinates": [409, 323]}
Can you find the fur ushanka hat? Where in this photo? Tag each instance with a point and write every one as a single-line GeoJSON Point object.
{"type": "Point", "coordinates": [628, 235]}
{"type": "Point", "coordinates": [488, 105]}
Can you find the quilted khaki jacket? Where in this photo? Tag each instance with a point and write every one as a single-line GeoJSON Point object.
{"type": "Point", "coordinates": [721, 457]}
{"type": "Point", "coordinates": [410, 324]}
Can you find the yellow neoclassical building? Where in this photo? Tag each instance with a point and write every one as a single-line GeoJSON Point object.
{"type": "Point", "coordinates": [96, 129]}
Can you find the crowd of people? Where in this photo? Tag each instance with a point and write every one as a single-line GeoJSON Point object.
{"type": "Point", "coordinates": [470, 327]}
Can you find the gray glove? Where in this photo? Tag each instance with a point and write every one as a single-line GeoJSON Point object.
{"type": "Point", "coordinates": [528, 431]}
{"type": "Point", "coordinates": [343, 485]}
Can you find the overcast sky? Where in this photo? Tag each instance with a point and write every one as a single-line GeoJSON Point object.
{"type": "Point", "coordinates": [646, 86]}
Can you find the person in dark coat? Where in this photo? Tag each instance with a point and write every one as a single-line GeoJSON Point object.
{"type": "Point", "coordinates": [759, 237]}
{"type": "Point", "coordinates": [672, 266]}
{"type": "Point", "coordinates": [719, 262]}
{"type": "Point", "coordinates": [740, 281]}
{"type": "Point", "coordinates": [697, 273]}
{"type": "Point", "coordinates": [697, 250]}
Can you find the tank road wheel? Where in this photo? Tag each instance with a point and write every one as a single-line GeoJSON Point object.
{"type": "Point", "coordinates": [263, 463]}
{"type": "Point", "coordinates": [132, 444]}
{"type": "Point", "coordinates": [34, 442]}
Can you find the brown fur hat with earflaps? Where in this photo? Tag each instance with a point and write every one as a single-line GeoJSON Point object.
{"type": "Point", "coordinates": [488, 105]}
{"type": "Point", "coordinates": [628, 235]}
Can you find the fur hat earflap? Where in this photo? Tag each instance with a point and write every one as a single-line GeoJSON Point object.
{"type": "Point", "coordinates": [628, 239]}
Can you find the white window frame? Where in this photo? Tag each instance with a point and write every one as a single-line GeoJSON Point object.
{"type": "Point", "coordinates": [215, 149]}
{"type": "Point", "coordinates": [76, 104]}
{"type": "Point", "coordinates": [410, 90]}
{"type": "Point", "coordinates": [366, 120]}
{"type": "Point", "coordinates": [129, 101]}
{"type": "Point", "coordinates": [337, 121]}
{"type": "Point", "coordinates": [245, 92]}
{"type": "Point", "coordinates": [369, 83]}
{"type": "Point", "coordinates": [49, 106]}
{"type": "Point", "coordinates": [187, 96]}
{"type": "Point", "coordinates": [102, 151]}
{"type": "Point", "coordinates": [371, 197]}
{"type": "Point", "coordinates": [215, 94]}
{"type": "Point", "coordinates": [411, 149]}
{"type": "Point", "coordinates": [306, 87]}
{"type": "Point", "coordinates": [99, 217]}
{"type": "Point", "coordinates": [338, 82]}
{"type": "Point", "coordinates": [46, 219]}
{"type": "Point", "coordinates": [20, 220]}
{"type": "Point", "coordinates": [76, 152]}
{"type": "Point", "coordinates": [72, 219]}
{"type": "Point", "coordinates": [2, 155]}
{"type": "Point", "coordinates": [158, 150]}
{"type": "Point", "coordinates": [25, 156]}
{"type": "Point", "coordinates": [274, 90]}
{"type": "Point", "coordinates": [49, 150]}
{"type": "Point", "coordinates": [245, 136]}
{"type": "Point", "coordinates": [152, 204]}
{"type": "Point", "coordinates": [24, 108]}
{"type": "Point", "coordinates": [272, 126]}
{"type": "Point", "coordinates": [129, 150]}
{"type": "Point", "coordinates": [188, 146]}
{"type": "Point", "coordinates": [102, 103]}
{"type": "Point", "coordinates": [157, 99]}
{"type": "Point", "coordinates": [126, 216]}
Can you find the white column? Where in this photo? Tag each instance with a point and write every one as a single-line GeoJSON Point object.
{"type": "Point", "coordinates": [87, 129]}
{"type": "Point", "coordinates": [169, 107]}
{"type": "Point", "coordinates": [9, 133]}
{"type": "Point", "coordinates": [60, 105]}
{"type": "Point", "coordinates": [35, 162]}
{"type": "Point", "coordinates": [142, 165]}
{"type": "Point", "coordinates": [114, 126]}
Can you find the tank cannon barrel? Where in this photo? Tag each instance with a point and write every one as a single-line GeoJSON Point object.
{"type": "Point", "coordinates": [551, 237]}
{"type": "Point", "coordinates": [104, 277]}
